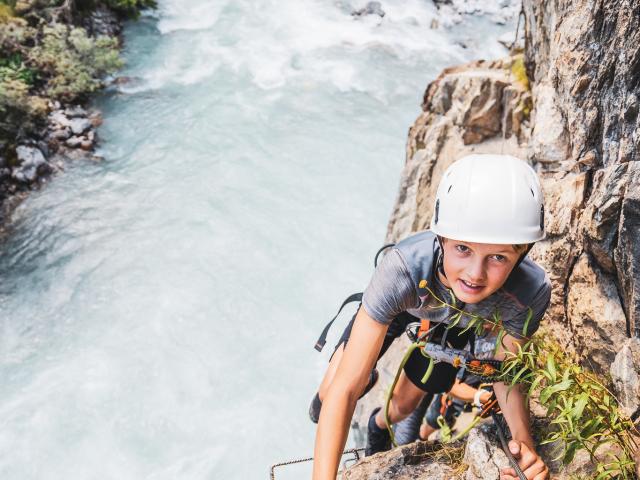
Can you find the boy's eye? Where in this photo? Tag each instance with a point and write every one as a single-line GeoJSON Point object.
{"type": "Point", "coordinates": [500, 258]}
{"type": "Point", "coordinates": [462, 248]}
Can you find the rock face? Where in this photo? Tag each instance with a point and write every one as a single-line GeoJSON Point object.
{"type": "Point", "coordinates": [578, 126]}
{"type": "Point", "coordinates": [584, 63]}
{"type": "Point", "coordinates": [464, 107]}
{"type": "Point", "coordinates": [404, 463]}
{"type": "Point", "coordinates": [576, 121]}
{"type": "Point", "coordinates": [483, 456]}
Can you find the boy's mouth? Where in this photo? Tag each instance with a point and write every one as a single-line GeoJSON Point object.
{"type": "Point", "coordinates": [470, 287]}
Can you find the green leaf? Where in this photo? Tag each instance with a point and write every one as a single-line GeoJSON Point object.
{"type": "Point", "coordinates": [558, 387]}
{"type": "Point", "coordinates": [453, 298]}
{"type": "Point", "coordinates": [551, 368]}
{"type": "Point", "coordinates": [570, 452]}
{"type": "Point", "coordinates": [454, 320]}
{"type": "Point", "coordinates": [501, 335]}
{"type": "Point", "coordinates": [526, 322]}
{"type": "Point", "coordinates": [578, 408]}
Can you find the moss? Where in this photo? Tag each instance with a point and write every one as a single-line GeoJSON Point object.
{"type": "Point", "coordinates": [6, 12]}
{"type": "Point", "coordinates": [519, 71]}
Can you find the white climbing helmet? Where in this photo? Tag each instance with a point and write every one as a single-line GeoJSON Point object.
{"type": "Point", "coordinates": [489, 199]}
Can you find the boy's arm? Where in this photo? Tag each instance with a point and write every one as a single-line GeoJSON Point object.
{"type": "Point", "coordinates": [467, 393]}
{"type": "Point", "coordinates": [359, 357]}
{"type": "Point", "coordinates": [516, 412]}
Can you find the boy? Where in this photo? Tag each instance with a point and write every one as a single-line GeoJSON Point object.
{"type": "Point", "coordinates": [487, 215]}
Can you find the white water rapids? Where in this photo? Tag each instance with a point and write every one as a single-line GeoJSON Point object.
{"type": "Point", "coordinates": [159, 309]}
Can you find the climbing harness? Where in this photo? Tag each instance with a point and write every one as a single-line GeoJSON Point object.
{"type": "Point", "coordinates": [439, 352]}
{"type": "Point", "coordinates": [485, 369]}
{"type": "Point", "coordinates": [353, 451]}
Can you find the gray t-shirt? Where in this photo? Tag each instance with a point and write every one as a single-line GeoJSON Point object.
{"type": "Point", "coordinates": [395, 288]}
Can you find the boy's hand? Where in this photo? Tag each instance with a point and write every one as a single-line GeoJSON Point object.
{"type": "Point", "coordinates": [529, 461]}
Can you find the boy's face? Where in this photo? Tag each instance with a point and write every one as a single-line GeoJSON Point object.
{"type": "Point", "coordinates": [476, 270]}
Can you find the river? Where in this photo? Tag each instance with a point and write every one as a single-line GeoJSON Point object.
{"type": "Point", "coordinates": [159, 308]}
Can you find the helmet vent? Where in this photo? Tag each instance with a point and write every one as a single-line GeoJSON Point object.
{"type": "Point", "coordinates": [542, 217]}
{"type": "Point", "coordinates": [449, 188]}
{"type": "Point", "coordinates": [437, 211]}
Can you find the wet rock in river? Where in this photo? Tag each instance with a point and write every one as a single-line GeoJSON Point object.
{"type": "Point", "coordinates": [80, 125]}
{"type": "Point", "coordinates": [31, 164]}
{"type": "Point", "coordinates": [371, 8]}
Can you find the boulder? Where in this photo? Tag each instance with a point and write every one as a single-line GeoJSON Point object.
{"type": "Point", "coordinates": [59, 119]}
{"type": "Point", "coordinates": [75, 112]}
{"type": "Point", "coordinates": [80, 125]}
{"type": "Point", "coordinates": [596, 320]}
{"type": "Point", "coordinates": [31, 164]}
{"type": "Point", "coordinates": [625, 376]}
{"type": "Point", "coordinates": [371, 8]}
{"type": "Point", "coordinates": [74, 142]}
{"type": "Point", "coordinates": [483, 455]}
{"type": "Point", "coordinates": [416, 460]}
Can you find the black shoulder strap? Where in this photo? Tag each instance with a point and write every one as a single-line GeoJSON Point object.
{"type": "Point", "coordinates": [384, 247]}
{"type": "Point", "coordinates": [355, 297]}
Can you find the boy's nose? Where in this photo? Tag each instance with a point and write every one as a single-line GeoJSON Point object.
{"type": "Point", "coordinates": [476, 272]}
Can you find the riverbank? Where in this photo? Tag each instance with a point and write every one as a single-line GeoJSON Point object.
{"type": "Point", "coordinates": [55, 56]}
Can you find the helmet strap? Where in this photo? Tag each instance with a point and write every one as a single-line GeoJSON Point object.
{"type": "Point", "coordinates": [440, 259]}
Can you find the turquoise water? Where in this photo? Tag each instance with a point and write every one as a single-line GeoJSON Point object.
{"type": "Point", "coordinates": [159, 308]}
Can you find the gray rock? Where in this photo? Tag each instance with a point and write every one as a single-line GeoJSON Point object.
{"type": "Point", "coordinates": [371, 8]}
{"type": "Point", "coordinates": [31, 164]}
{"type": "Point", "coordinates": [624, 373]}
{"type": "Point", "coordinates": [103, 21]}
{"type": "Point", "coordinates": [58, 117]}
{"type": "Point", "coordinates": [74, 142]}
{"type": "Point", "coordinates": [484, 457]}
{"type": "Point", "coordinates": [60, 134]}
{"type": "Point", "coordinates": [75, 112]}
{"type": "Point", "coordinates": [80, 125]}
{"type": "Point", "coordinates": [403, 463]}
{"type": "Point", "coordinates": [627, 252]}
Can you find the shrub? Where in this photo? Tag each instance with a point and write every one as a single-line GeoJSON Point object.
{"type": "Point", "coordinates": [19, 111]}
{"type": "Point", "coordinates": [14, 68]}
{"type": "Point", "coordinates": [74, 62]}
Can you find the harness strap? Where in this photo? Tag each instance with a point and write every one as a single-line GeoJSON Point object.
{"type": "Point", "coordinates": [382, 249]}
{"type": "Point", "coordinates": [355, 297]}
{"type": "Point", "coordinates": [425, 326]}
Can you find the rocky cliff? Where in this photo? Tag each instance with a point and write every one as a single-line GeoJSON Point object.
{"type": "Point", "coordinates": [570, 108]}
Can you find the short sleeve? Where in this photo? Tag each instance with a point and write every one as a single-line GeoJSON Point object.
{"type": "Point", "coordinates": [391, 290]}
{"type": "Point", "coordinates": [538, 307]}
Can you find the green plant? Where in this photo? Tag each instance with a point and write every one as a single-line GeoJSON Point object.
{"type": "Point", "coordinates": [519, 71]}
{"type": "Point", "coordinates": [74, 62]}
{"type": "Point", "coordinates": [14, 68]}
{"type": "Point", "coordinates": [584, 413]}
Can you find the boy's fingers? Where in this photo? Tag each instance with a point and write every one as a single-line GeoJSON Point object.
{"type": "Point", "coordinates": [535, 470]}
{"type": "Point", "coordinates": [514, 448]}
{"type": "Point", "coordinates": [508, 474]}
